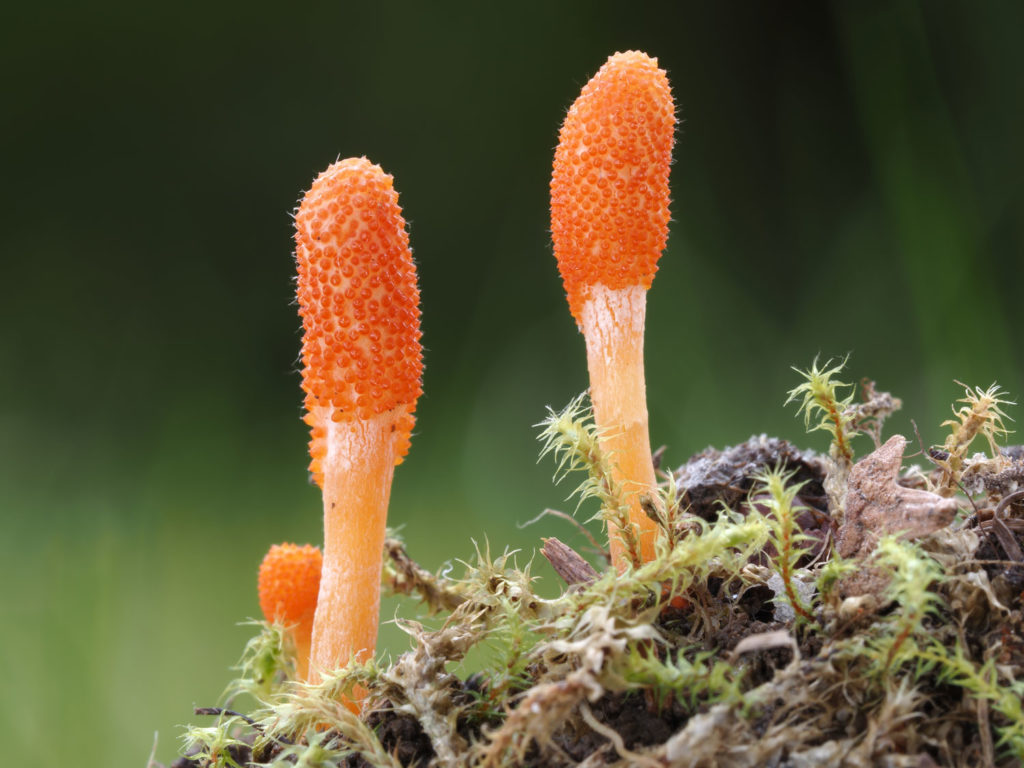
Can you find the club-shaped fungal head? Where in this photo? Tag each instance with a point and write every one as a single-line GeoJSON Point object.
{"type": "Point", "coordinates": [359, 303]}
{"type": "Point", "coordinates": [289, 582]}
{"type": "Point", "coordinates": [609, 188]}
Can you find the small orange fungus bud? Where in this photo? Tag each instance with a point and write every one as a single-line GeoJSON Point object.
{"type": "Point", "coordinates": [359, 303]}
{"type": "Point", "coordinates": [609, 188]}
{"type": "Point", "coordinates": [289, 581]}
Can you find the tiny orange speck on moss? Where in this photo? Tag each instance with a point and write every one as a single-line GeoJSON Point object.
{"type": "Point", "coordinates": [609, 187]}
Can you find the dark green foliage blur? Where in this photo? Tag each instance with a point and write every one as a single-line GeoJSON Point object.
{"type": "Point", "coordinates": [848, 178]}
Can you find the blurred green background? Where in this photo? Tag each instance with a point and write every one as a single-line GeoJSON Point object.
{"type": "Point", "coordinates": [848, 178]}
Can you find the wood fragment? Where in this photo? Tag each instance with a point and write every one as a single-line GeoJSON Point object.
{"type": "Point", "coordinates": [568, 563]}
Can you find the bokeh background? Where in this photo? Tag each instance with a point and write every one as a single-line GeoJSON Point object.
{"type": "Point", "coordinates": [849, 178]}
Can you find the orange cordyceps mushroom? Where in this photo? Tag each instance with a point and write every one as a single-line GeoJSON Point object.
{"type": "Point", "coordinates": [609, 225]}
{"type": "Point", "coordinates": [289, 581]}
{"type": "Point", "coordinates": [363, 363]}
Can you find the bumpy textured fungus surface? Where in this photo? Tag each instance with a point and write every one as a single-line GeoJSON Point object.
{"type": "Point", "coordinates": [362, 359]}
{"type": "Point", "coordinates": [609, 189]}
{"type": "Point", "coordinates": [609, 224]}
{"type": "Point", "coordinates": [289, 580]}
{"type": "Point", "coordinates": [359, 303]}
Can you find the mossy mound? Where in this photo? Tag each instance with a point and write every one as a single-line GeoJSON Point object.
{"type": "Point", "coordinates": [803, 610]}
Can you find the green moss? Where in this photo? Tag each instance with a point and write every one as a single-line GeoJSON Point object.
{"type": "Point", "coordinates": [685, 643]}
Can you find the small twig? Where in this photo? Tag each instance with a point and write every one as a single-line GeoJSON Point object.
{"type": "Point", "coordinates": [568, 563]}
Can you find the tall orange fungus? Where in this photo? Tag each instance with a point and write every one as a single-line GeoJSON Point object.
{"type": "Point", "coordinates": [609, 225]}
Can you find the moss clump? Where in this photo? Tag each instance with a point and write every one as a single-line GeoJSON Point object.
{"type": "Point", "coordinates": [747, 641]}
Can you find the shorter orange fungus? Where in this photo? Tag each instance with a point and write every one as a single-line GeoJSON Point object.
{"type": "Point", "coordinates": [289, 580]}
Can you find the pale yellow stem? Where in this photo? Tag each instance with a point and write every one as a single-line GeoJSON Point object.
{"type": "Point", "coordinates": [613, 326]}
{"type": "Point", "coordinates": [358, 469]}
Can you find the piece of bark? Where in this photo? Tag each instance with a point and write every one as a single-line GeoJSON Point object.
{"type": "Point", "coordinates": [568, 563]}
{"type": "Point", "coordinates": [877, 505]}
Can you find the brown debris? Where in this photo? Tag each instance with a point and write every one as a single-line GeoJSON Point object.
{"type": "Point", "coordinates": [567, 562]}
{"type": "Point", "coordinates": [406, 577]}
{"type": "Point", "coordinates": [713, 479]}
{"type": "Point", "coordinates": [1004, 480]}
{"type": "Point", "coordinates": [869, 416]}
{"type": "Point", "coordinates": [877, 505]}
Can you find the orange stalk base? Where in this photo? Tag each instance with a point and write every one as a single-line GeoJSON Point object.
{"type": "Point", "coordinates": [358, 468]}
{"type": "Point", "coordinates": [302, 641]}
{"type": "Point", "coordinates": [613, 326]}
